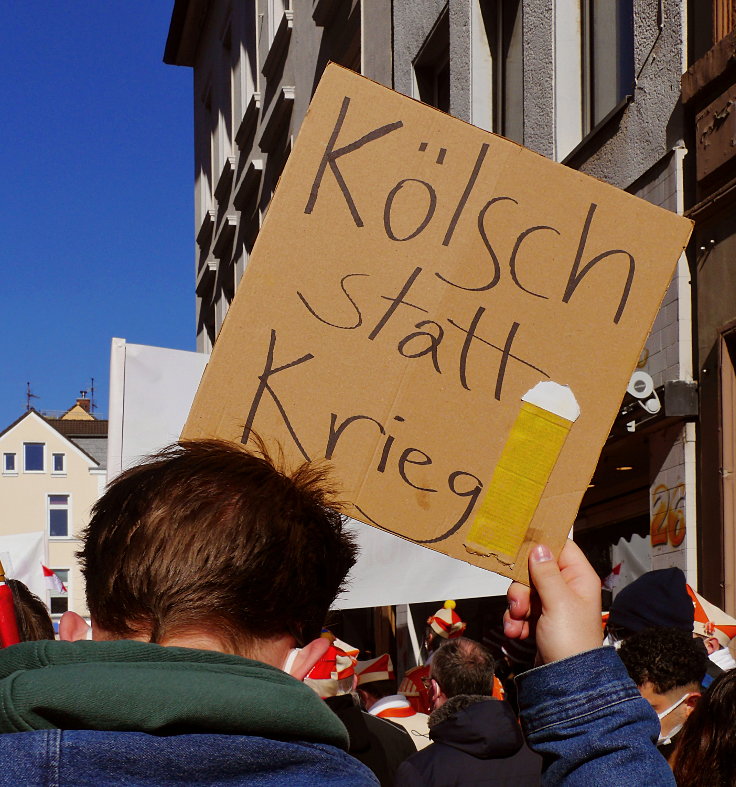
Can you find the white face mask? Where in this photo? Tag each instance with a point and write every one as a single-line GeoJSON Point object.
{"type": "Point", "coordinates": [665, 739]}
{"type": "Point", "coordinates": [290, 659]}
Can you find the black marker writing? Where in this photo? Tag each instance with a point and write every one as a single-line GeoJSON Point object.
{"type": "Point", "coordinates": [332, 154]}
{"type": "Point", "coordinates": [577, 275]}
{"type": "Point", "coordinates": [264, 385]}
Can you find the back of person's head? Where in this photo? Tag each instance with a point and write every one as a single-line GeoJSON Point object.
{"type": "Point", "coordinates": [657, 598]}
{"type": "Point", "coordinates": [445, 624]}
{"type": "Point", "coordinates": [378, 688]}
{"type": "Point", "coordinates": [706, 750]}
{"type": "Point", "coordinates": [463, 666]}
{"type": "Point", "coordinates": [377, 675]}
{"type": "Point", "coordinates": [31, 614]}
{"type": "Point", "coordinates": [207, 534]}
{"type": "Point", "coordinates": [667, 658]}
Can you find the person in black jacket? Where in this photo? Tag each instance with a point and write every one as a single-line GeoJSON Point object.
{"type": "Point", "coordinates": [379, 744]}
{"type": "Point", "coordinates": [476, 739]}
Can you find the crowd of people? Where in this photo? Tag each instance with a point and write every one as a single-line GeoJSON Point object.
{"type": "Point", "coordinates": [210, 572]}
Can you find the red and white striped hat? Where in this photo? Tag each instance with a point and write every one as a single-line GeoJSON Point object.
{"type": "Point", "coordinates": [380, 668]}
{"type": "Point", "coordinates": [334, 665]}
{"type": "Point", "coordinates": [446, 622]}
{"type": "Point", "coordinates": [325, 675]}
{"type": "Point", "coordinates": [710, 620]}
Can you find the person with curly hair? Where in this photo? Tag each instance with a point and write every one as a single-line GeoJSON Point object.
{"type": "Point", "coordinates": [705, 755]}
{"type": "Point", "coordinates": [667, 665]}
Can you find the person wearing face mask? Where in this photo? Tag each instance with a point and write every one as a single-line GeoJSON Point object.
{"type": "Point", "coordinates": [667, 665]}
{"type": "Point", "coordinates": [378, 743]}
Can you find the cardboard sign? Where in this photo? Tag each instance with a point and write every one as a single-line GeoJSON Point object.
{"type": "Point", "coordinates": [414, 282]}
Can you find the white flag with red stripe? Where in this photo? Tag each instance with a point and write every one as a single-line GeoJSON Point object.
{"type": "Point", "coordinates": [611, 581]}
{"type": "Point", "coordinates": [53, 582]}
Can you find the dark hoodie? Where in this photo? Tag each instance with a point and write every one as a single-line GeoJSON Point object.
{"type": "Point", "coordinates": [477, 740]}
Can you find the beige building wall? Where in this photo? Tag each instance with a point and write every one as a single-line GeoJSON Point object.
{"type": "Point", "coordinates": [28, 497]}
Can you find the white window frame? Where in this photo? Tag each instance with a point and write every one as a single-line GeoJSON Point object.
{"type": "Point", "coordinates": [54, 594]}
{"type": "Point", "coordinates": [54, 471]}
{"type": "Point", "coordinates": [43, 448]}
{"type": "Point", "coordinates": [568, 77]}
{"type": "Point", "coordinates": [496, 46]}
{"type": "Point", "coordinates": [6, 471]}
{"type": "Point", "coordinates": [275, 9]}
{"type": "Point", "coordinates": [576, 61]}
{"type": "Point", "coordinates": [56, 507]}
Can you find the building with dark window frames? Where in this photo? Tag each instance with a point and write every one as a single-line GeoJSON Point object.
{"type": "Point", "coordinates": [593, 84]}
{"type": "Point", "coordinates": [709, 99]}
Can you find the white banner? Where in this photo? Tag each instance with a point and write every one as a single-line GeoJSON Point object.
{"type": "Point", "coordinates": [151, 391]}
{"type": "Point", "coordinates": [22, 556]}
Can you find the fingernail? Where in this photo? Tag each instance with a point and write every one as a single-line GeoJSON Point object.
{"type": "Point", "coordinates": [512, 603]}
{"type": "Point", "coordinates": [506, 626]}
{"type": "Point", "coordinates": [541, 554]}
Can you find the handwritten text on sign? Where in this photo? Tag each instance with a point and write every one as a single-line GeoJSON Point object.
{"type": "Point", "coordinates": [414, 277]}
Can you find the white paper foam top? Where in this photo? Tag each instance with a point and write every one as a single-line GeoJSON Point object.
{"type": "Point", "coordinates": [555, 398]}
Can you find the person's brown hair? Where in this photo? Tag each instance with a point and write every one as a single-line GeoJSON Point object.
{"type": "Point", "coordinates": [463, 666]}
{"type": "Point", "coordinates": [705, 755]}
{"type": "Point", "coordinates": [209, 534]}
{"type": "Point", "coordinates": [31, 614]}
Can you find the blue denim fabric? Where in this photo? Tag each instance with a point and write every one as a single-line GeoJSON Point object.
{"type": "Point", "coordinates": [86, 758]}
{"type": "Point", "coordinates": [585, 716]}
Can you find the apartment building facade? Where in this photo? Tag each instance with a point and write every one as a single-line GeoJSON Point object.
{"type": "Point", "coordinates": [53, 471]}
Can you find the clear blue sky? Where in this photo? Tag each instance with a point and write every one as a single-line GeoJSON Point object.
{"type": "Point", "coordinates": [96, 198]}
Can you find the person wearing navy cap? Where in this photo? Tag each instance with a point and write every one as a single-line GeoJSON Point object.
{"type": "Point", "coordinates": [657, 598]}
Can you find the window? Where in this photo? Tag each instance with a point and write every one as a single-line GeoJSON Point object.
{"type": "Point", "coordinates": [9, 463]}
{"type": "Point", "coordinates": [58, 463]}
{"type": "Point", "coordinates": [59, 600]}
{"type": "Point", "coordinates": [497, 69]}
{"type": "Point", "coordinates": [432, 66]}
{"type": "Point", "coordinates": [608, 58]}
{"type": "Point", "coordinates": [33, 456]}
{"type": "Point", "coordinates": [594, 66]}
{"type": "Point", "coordinates": [58, 507]}
{"type": "Point", "coordinates": [276, 10]}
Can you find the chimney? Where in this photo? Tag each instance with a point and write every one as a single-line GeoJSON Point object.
{"type": "Point", "coordinates": [84, 404]}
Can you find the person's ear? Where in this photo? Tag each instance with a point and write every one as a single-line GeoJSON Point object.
{"type": "Point", "coordinates": [308, 656]}
{"type": "Point", "coordinates": [435, 693]}
{"type": "Point", "coordinates": [691, 702]}
{"type": "Point", "coordinates": [73, 627]}
{"type": "Point", "coordinates": [712, 645]}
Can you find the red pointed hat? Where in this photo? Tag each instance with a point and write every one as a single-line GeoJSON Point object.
{"type": "Point", "coordinates": [334, 665]}
{"type": "Point", "coordinates": [380, 668]}
{"type": "Point", "coordinates": [710, 620]}
{"type": "Point", "coordinates": [446, 622]}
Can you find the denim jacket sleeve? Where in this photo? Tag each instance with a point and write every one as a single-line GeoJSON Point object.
{"type": "Point", "coordinates": [585, 716]}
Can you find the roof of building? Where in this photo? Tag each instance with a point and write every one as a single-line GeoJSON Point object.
{"type": "Point", "coordinates": [54, 424]}
{"type": "Point", "coordinates": [79, 412]}
{"type": "Point", "coordinates": [187, 23]}
{"type": "Point", "coordinates": [78, 428]}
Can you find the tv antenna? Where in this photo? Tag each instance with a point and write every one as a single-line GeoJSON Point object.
{"type": "Point", "coordinates": [29, 396]}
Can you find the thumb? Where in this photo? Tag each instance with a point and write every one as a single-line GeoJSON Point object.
{"type": "Point", "coordinates": [545, 575]}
